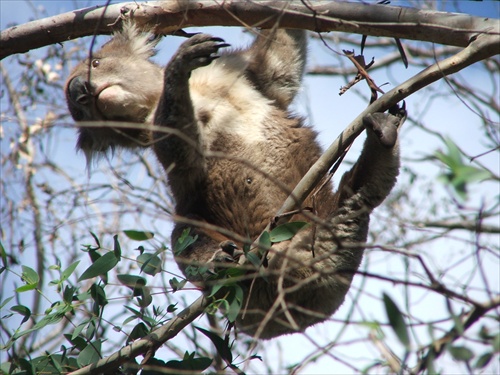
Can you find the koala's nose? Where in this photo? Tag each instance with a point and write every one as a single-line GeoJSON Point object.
{"type": "Point", "coordinates": [78, 91]}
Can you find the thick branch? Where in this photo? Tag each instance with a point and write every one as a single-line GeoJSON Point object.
{"type": "Point", "coordinates": [165, 17]}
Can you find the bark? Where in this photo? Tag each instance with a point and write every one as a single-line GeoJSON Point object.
{"type": "Point", "coordinates": [166, 17]}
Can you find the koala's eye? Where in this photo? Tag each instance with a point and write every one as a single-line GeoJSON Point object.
{"type": "Point", "coordinates": [95, 63]}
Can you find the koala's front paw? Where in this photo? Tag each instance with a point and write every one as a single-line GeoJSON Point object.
{"type": "Point", "coordinates": [385, 125]}
{"type": "Point", "coordinates": [199, 50]}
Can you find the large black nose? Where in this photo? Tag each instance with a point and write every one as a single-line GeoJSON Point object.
{"type": "Point", "coordinates": [78, 91]}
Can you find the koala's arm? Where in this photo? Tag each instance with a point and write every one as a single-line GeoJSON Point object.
{"type": "Point", "coordinates": [182, 154]}
{"type": "Point", "coordinates": [276, 63]}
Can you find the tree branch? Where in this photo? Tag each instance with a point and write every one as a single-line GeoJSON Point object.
{"type": "Point", "coordinates": [438, 346]}
{"type": "Point", "coordinates": [166, 17]}
{"type": "Point", "coordinates": [480, 48]}
{"type": "Point", "coordinates": [149, 344]}
{"type": "Point", "coordinates": [464, 225]}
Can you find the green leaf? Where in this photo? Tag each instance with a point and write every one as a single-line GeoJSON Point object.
{"type": "Point", "coordinates": [46, 320]}
{"type": "Point", "coordinates": [459, 174]}
{"type": "Point", "coordinates": [96, 239]}
{"type": "Point", "coordinates": [25, 288]}
{"type": "Point", "coordinates": [453, 158]}
{"type": "Point", "coordinates": [286, 231]}
{"type": "Point", "coordinates": [254, 259]}
{"type": "Point", "coordinates": [265, 241]}
{"type": "Point", "coordinates": [190, 364]}
{"type": "Point", "coordinates": [68, 293]}
{"type": "Point", "coordinates": [496, 343]}
{"type": "Point", "coordinates": [55, 360]}
{"type": "Point", "coordinates": [461, 353]}
{"type": "Point", "coordinates": [101, 266]}
{"type": "Point", "coordinates": [5, 302]}
{"type": "Point", "coordinates": [68, 271]}
{"type": "Point", "coordinates": [77, 341]}
{"type": "Point", "coordinates": [215, 288]}
{"type": "Point", "coordinates": [91, 354]}
{"type": "Point", "coordinates": [117, 249]}
{"type": "Point", "coordinates": [98, 295]}
{"type": "Point", "coordinates": [3, 255]}
{"type": "Point", "coordinates": [221, 345]}
{"type": "Point", "coordinates": [396, 321]}
{"type": "Point", "coordinates": [90, 331]}
{"type": "Point", "coordinates": [483, 360]}
{"type": "Point", "coordinates": [132, 281]}
{"type": "Point", "coordinates": [176, 284]}
{"type": "Point", "coordinates": [23, 310]}
{"type": "Point", "coordinates": [138, 332]}
{"type": "Point", "coordinates": [137, 235]}
{"type": "Point", "coordinates": [184, 241]}
{"type": "Point", "coordinates": [236, 302]}
{"type": "Point", "coordinates": [29, 275]}
{"type": "Point", "coordinates": [151, 263]}
{"type": "Point", "coordinates": [143, 295]}
{"type": "Point", "coordinates": [79, 328]}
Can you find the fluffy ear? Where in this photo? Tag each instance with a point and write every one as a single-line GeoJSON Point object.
{"type": "Point", "coordinates": [131, 40]}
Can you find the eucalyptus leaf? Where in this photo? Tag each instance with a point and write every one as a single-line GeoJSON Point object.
{"type": "Point", "coordinates": [101, 266]}
{"type": "Point", "coordinates": [138, 235]}
{"type": "Point", "coordinates": [396, 321]}
{"type": "Point", "coordinates": [286, 231]}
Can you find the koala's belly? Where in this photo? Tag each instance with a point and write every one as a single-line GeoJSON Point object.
{"type": "Point", "coordinates": [242, 197]}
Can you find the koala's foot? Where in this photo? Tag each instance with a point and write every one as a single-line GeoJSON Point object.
{"type": "Point", "coordinates": [385, 125]}
{"type": "Point", "coordinates": [228, 253]}
{"type": "Point", "coordinates": [199, 50]}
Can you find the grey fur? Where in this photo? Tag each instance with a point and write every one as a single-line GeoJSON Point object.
{"type": "Point", "coordinates": [236, 105]}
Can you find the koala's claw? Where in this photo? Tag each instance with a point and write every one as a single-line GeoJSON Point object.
{"type": "Point", "coordinates": [199, 50]}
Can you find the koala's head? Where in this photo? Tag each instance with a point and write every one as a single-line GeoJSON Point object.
{"type": "Point", "coordinates": [118, 83]}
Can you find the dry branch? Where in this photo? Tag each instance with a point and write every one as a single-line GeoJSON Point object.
{"type": "Point", "coordinates": [168, 16]}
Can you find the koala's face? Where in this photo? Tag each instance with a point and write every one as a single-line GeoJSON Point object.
{"type": "Point", "coordinates": [113, 86]}
{"type": "Point", "coordinates": [117, 84]}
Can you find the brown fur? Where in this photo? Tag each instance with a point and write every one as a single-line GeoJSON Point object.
{"type": "Point", "coordinates": [234, 157]}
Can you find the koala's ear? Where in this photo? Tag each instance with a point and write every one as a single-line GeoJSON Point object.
{"type": "Point", "coordinates": [136, 42]}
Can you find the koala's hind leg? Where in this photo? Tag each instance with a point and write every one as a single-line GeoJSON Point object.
{"type": "Point", "coordinates": [208, 250]}
{"type": "Point", "coordinates": [276, 63]}
{"type": "Point", "coordinates": [325, 278]}
{"type": "Point", "coordinates": [362, 189]}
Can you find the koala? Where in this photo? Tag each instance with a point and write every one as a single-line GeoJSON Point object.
{"type": "Point", "coordinates": [233, 152]}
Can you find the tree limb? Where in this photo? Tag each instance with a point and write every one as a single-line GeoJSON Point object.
{"type": "Point", "coordinates": [480, 48]}
{"type": "Point", "coordinates": [149, 344]}
{"type": "Point", "coordinates": [166, 17]}
{"type": "Point", "coordinates": [464, 225]}
{"type": "Point", "coordinates": [437, 347]}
